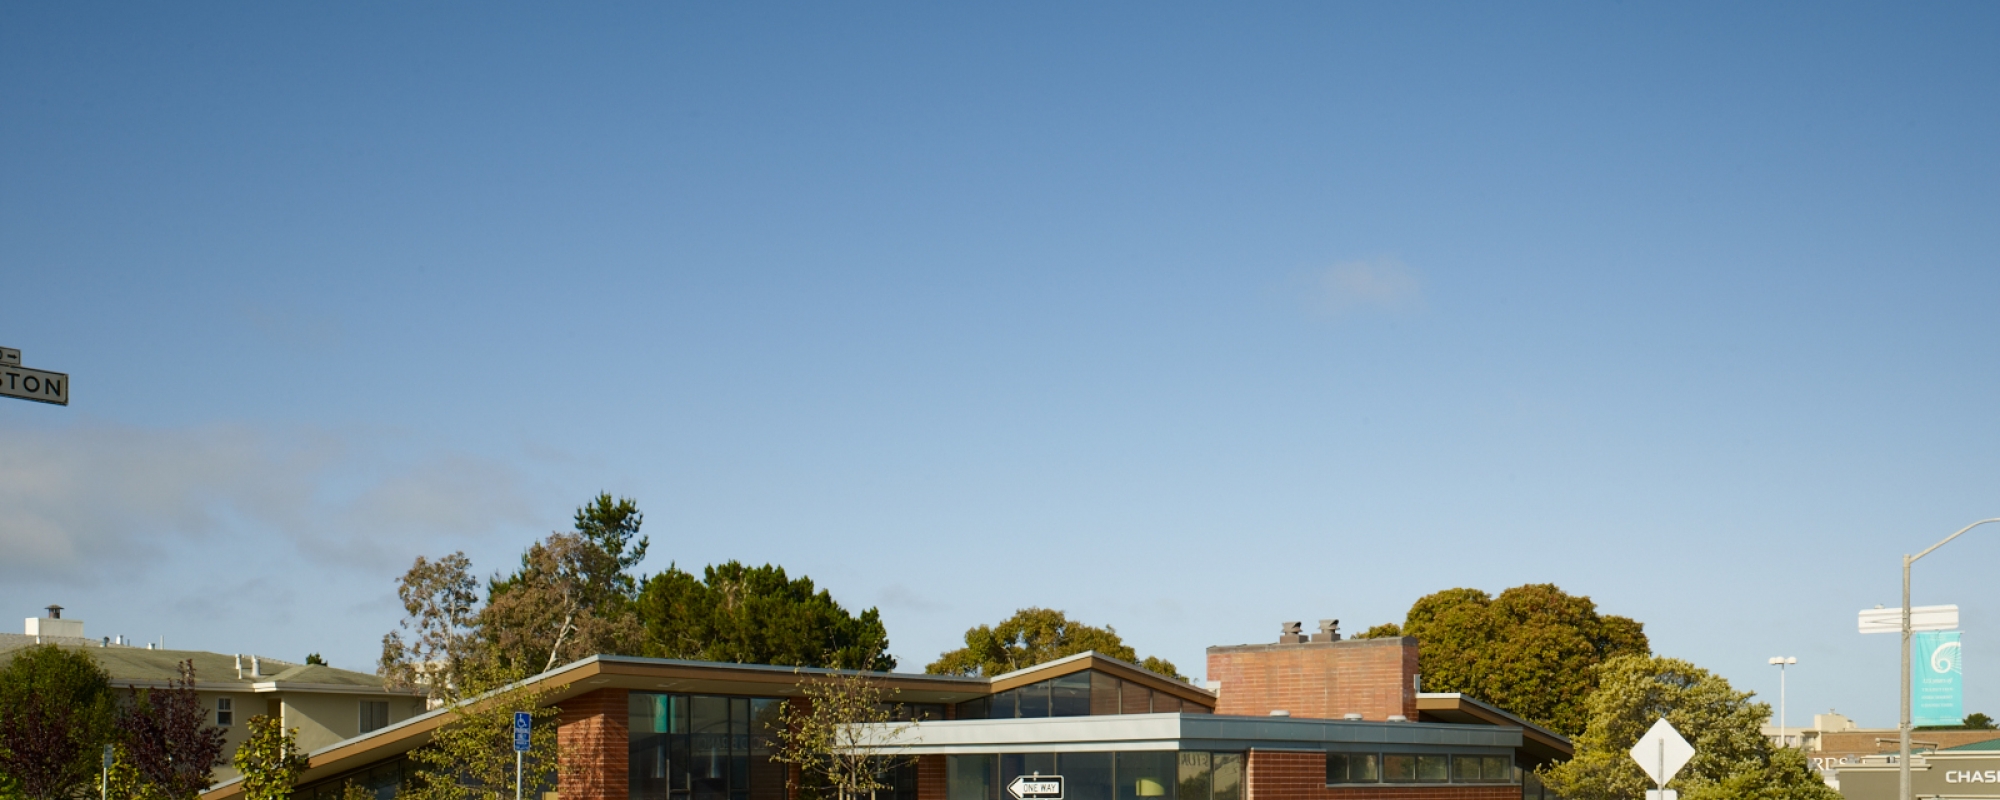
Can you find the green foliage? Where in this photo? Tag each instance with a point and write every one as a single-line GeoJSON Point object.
{"type": "Point", "coordinates": [757, 615]}
{"type": "Point", "coordinates": [842, 737]}
{"type": "Point", "coordinates": [123, 781]}
{"type": "Point", "coordinates": [354, 791]}
{"type": "Point", "coordinates": [1386, 630]}
{"type": "Point", "coordinates": [572, 597]}
{"type": "Point", "coordinates": [55, 715]}
{"type": "Point", "coordinates": [1732, 758]}
{"type": "Point", "coordinates": [1035, 636]}
{"type": "Point", "coordinates": [314, 659]}
{"type": "Point", "coordinates": [1980, 722]}
{"type": "Point", "coordinates": [471, 757]}
{"type": "Point", "coordinates": [269, 760]}
{"type": "Point", "coordinates": [1534, 650]}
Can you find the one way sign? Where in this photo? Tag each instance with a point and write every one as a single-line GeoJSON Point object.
{"type": "Point", "coordinates": [1037, 787]}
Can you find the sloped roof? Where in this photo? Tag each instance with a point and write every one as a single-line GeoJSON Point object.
{"type": "Point", "coordinates": [139, 667]}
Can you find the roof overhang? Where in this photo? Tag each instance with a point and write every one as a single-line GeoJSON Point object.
{"type": "Point", "coordinates": [1541, 744]}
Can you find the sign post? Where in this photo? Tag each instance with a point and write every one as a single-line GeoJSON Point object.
{"type": "Point", "coordinates": [523, 721]}
{"type": "Point", "coordinates": [1661, 753]}
{"type": "Point", "coordinates": [103, 778]}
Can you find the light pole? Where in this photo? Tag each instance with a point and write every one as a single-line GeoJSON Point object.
{"type": "Point", "coordinates": [1903, 725]}
{"type": "Point", "coordinates": [1781, 662]}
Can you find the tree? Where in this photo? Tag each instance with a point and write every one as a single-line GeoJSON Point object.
{"type": "Point", "coordinates": [1732, 758]}
{"type": "Point", "coordinates": [269, 760]}
{"type": "Point", "coordinates": [313, 658]}
{"type": "Point", "coordinates": [441, 599]}
{"type": "Point", "coordinates": [167, 734]}
{"type": "Point", "coordinates": [1534, 650]}
{"type": "Point", "coordinates": [841, 736]}
{"type": "Point", "coordinates": [1980, 722]}
{"type": "Point", "coordinates": [55, 714]}
{"type": "Point", "coordinates": [569, 601]}
{"type": "Point", "coordinates": [757, 615]}
{"type": "Point", "coordinates": [1034, 636]}
{"type": "Point", "coordinates": [471, 757]}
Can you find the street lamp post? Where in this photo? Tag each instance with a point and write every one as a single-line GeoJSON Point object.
{"type": "Point", "coordinates": [1903, 725]}
{"type": "Point", "coordinates": [1781, 662]}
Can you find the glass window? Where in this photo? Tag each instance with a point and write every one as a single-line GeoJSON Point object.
{"type": "Point", "coordinates": [1163, 702]}
{"type": "Point", "coordinates": [1351, 768]}
{"type": "Point", "coordinates": [1433, 768]}
{"type": "Point", "coordinates": [374, 715]}
{"type": "Point", "coordinates": [1399, 768]}
{"type": "Point", "coordinates": [1146, 776]}
{"type": "Point", "coordinates": [1228, 781]}
{"type": "Point", "coordinates": [971, 778]}
{"type": "Point", "coordinates": [225, 712]}
{"type": "Point", "coordinates": [1465, 769]}
{"type": "Point", "coordinates": [981, 708]}
{"type": "Point", "coordinates": [1086, 776]}
{"type": "Point", "coordinates": [1069, 695]}
{"type": "Point", "coordinates": [1034, 700]}
{"type": "Point", "coordinates": [1006, 705]}
{"type": "Point", "coordinates": [1103, 693]}
{"type": "Point", "coordinates": [1194, 776]}
{"type": "Point", "coordinates": [1497, 768]}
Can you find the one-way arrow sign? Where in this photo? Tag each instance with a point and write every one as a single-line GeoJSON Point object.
{"type": "Point", "coordinates": [1037, 787]}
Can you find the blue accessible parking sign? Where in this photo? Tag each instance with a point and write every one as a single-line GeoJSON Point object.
{"type": "Point", "coordinates": [522, 721]}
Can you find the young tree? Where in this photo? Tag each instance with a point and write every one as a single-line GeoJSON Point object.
{"type": "Point", "coordinates": [842, 736]}
{"type": "Point", "coordinates": [55, 714]}
{"type": "Point", "coordinates": [471, 757]}
{"type": "Point", "coordinates": [441, 598]}
{"type": "Point", "coordinates": [1034, 636]}
{"type": "Point", "coordinates": [1732, 759]}
{"type": "Point", "coordinates": [167, 734]}
{"type": "Point", "coordinates": [269, 760]}
{"type": "Point", "coordinates": [1534, 650]}
{"type": "Point", "coordinates": [757, 615]}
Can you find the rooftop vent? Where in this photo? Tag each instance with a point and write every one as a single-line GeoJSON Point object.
{"type": "Point", "coordinates": [1329, 631]}
{"type": "Point", "coordinates": [1288, 633]}
{"type": "Point", "coordinates": [55, 612]}
{"type": "Point", "coordinates": [1398, 718]}
{"type": "Point", "coordinates": [1280, 713]}
{"type": "Point", "coordinates": [1351, 717]}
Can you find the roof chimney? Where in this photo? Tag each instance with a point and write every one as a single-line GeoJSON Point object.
{"type": "Point", "coordinates": [1288, 633]}
{"type": "Point", "coordinates": [55, 612]}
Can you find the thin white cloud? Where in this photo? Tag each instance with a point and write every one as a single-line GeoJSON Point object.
{"type": "Point", "coordinates": [92, 501]}
{"type": "Point", "coordinates": [1384, 283]}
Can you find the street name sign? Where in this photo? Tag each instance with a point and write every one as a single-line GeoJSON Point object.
{"type": "Point", "coordinates": [10, 357]}
{"type": "Point", "coordinates": [1037, 787]}
{"type": "Point", "coordinates": [1661, 753]}
{"type": "Point", "coordinates": [522, 721]}
{"type": "Point", "coordinates": [1922, 618]}
{"type": "Point", "coordinates": [34, 384]}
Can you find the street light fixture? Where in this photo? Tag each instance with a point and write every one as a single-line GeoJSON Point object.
{"type": "Point", "coordinates": [1781, 662]}
{"type": "Point", "coordinates": [1903, 725]}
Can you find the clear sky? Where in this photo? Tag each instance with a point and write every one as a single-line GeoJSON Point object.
{"type": "Point", "coordinates": [1187, 319]}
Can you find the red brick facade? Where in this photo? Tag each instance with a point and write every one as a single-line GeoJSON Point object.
{"type": "Point", "coordinates": [930, 778]}
{"type": "Point", "coordinates": [1289, 775]}
{"type": "Point", "coordinates": [1321, 680]}
{"type": "Point", "coordinates": [592, 735]}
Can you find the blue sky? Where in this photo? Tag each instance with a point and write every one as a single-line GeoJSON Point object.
{"type": "Point", "coordinates": [1184, 319]}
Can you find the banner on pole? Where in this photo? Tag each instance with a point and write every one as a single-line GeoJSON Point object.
{"type": "Point", "coordinates": [1939, 683]}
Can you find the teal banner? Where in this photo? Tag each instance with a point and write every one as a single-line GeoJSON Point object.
{"type": "Point", "coordinates": [1939, 682]}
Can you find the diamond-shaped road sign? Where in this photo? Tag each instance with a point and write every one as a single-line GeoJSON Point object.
{"type": "Point", "coordinates": [1662, 752]}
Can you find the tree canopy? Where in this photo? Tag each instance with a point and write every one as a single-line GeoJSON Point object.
{"type": "Point", "coordinates": [1534, 650]}
{"type": "Point", "coordinates": [1732, 759]}
{"type": "Point", "coordinates": [757, 615]}
{"type": "Point", "coordinates": [55, 712]}
{"type": "Point", "coordinates": [1034, 636]}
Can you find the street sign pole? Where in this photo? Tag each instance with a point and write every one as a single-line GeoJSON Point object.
{"type": "Point", "coordinates": [523, 724]}
{"type": "Point", "coordinates": [1903, 725]}
{"type": "Point", "coordinates": [22, 383]}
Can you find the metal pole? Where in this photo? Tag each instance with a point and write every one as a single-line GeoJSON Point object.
{"type": "Point", "coordinates": [1782, 737]}
{"type": "Point", "coordinates": [1662, 782]}
{"type": "Point", "coordinates": [517, 775]}
{"type": "Point", "coordinates": [1903, 721]}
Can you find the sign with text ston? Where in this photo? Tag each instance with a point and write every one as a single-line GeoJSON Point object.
{"type": "Point", "coordinates": [1938, 687]}
{"type": "Point", "coordinates": [1922, 618]}
{"type": "Point", "coordinates": [34, 384]}
{"type": "Point", "coordinates": [1037, 787]}
{"type": "Point", "coordinates": [522, 723]}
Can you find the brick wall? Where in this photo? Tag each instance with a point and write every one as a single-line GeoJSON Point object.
{"type": "Point", "coordinates": [1278, 775]}
{"type": "Point", "coordinates": [592, 734]}
{"type": "Point", "coordinates": [931, 778]}
{"type": "Point", "coordinates": [1320, 680]}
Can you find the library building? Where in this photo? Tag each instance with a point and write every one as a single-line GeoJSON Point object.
{"type": "Point", "coordinates": [1308, 717]}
